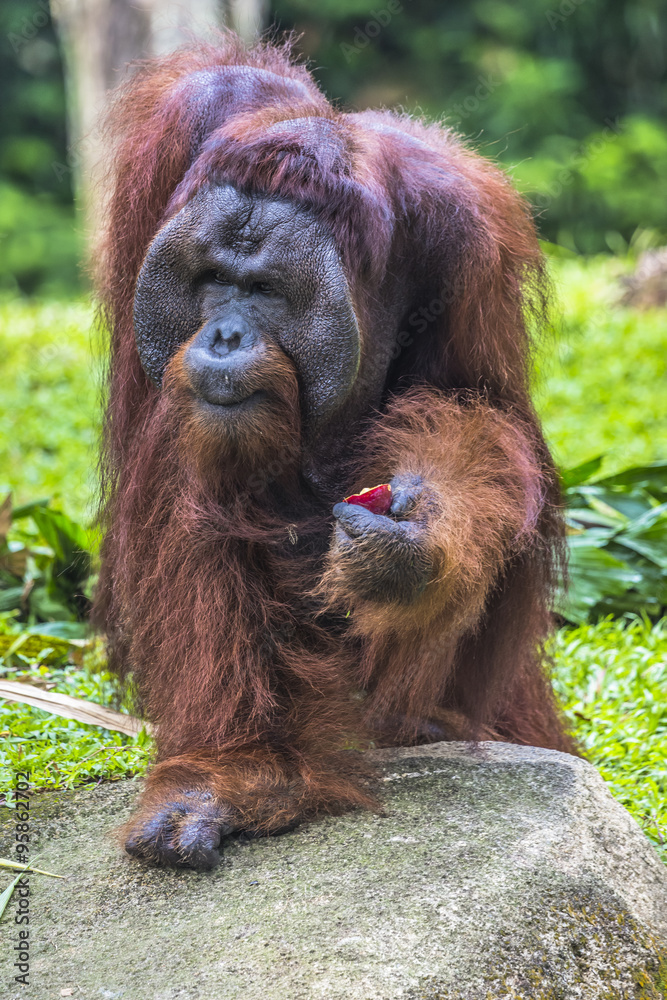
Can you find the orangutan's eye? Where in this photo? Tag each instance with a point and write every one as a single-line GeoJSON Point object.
{"type": "Point", "coordinates": [264, 288]}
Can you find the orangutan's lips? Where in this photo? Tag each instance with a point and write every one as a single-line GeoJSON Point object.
{"type": "Point", "coordinates": [220, 404]}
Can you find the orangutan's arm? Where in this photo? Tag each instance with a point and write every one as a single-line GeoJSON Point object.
{"type": "Point", "coordinates": [467, 492]}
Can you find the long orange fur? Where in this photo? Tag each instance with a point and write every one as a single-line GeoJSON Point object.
{"type": "Point", "coordinates": [252, 653]}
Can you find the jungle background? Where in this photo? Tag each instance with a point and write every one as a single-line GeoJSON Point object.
{"type": "Point", "coordinates": [569, 96]}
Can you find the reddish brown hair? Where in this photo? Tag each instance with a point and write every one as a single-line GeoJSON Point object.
{"type": "Point", "coordinates": [201, 592]}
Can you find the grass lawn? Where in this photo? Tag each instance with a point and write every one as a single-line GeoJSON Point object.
{"type": "Point", "coordinates": [600, 389]}
{"type": "Point", "coordinates": [49, 404]}
{"type": "Point", "coordinates": [602, 376]}
{"type": "Point", "coordinates": [612, 682]}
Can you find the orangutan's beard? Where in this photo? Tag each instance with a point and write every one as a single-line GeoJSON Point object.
{"type": "Point", "coordinates": [251, 443]}
{"type": "Point", "coordinates": [203, 586]}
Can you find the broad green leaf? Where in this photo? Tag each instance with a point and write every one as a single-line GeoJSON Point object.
{"type": "Point", "coordinates": [585, 517]}
{"type": "Point", "coordinates": [10, 598]}
{"type": "Point", "coordinates": [54, 609]}
{"type": "Point", "coordinates": [648, 536]}
{"type": "Point", "coordinates": [652, 477]}
{"type": "Point", "coordinates": [593, 575]}
{"type": "Point", "coordinates": [581, 473]}
{"type": "Point", "coordinates": [66, 538]}
{"type": "Point", "coordinates": [26, 509]}
{"type": "Point", "coordinates": [61, 630]}
{"type": "Point", "coordinates": [629, 503]}
{"type": "Point", "coordinates": [591, 537]}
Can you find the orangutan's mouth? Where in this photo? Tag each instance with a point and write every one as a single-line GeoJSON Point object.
{"type": "Point", "coordinates": [231, 403]}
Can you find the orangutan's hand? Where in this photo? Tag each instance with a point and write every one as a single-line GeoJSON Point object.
{"type": "Point", "coordinates": [385, 557]}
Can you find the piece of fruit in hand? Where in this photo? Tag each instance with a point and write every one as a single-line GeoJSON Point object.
{"type": "Point", "coordinates": [377, 499]}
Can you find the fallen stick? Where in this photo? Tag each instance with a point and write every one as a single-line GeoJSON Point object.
{"type": "Point", "coordinates": [72, 708]}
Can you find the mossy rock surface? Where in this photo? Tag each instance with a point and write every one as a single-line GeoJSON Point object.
{"type": "Point", "coordinates": [497, 872]}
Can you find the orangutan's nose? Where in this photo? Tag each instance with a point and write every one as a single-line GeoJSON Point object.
{"type": "Point", "coordinates": [221, 337]}
{"type": "Point", "coordinates": [219, 357]}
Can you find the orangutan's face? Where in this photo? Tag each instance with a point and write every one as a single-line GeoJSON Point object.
{"type": "Point", "coordinates": [237, 292]}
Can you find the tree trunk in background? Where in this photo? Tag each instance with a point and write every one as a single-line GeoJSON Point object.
{"type": "Point", "coordinates": [247, 17]}
{"type": "Point", "coordinates": [101, 37]}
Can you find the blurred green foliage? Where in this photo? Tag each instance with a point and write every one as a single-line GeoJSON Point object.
{"type": "Point", "coordinates": [617, 538]}
{"type": "Point", "coordinates": [569, 95]}
{"type": "Point", "coordinates": [39, 246]}
{"type": "Point", "coordinates": [46, 568]}
{"type": "Point", "coordinates": [600, 386]}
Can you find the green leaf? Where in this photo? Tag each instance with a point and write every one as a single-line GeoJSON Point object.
{"type": "Point", "coordinates": [66, 575]}
{"type": "Point", "coordinates": [61, 630]}
{"type": "Point", "coordinates": [619, 519]}
{"type": "Point", "coordinates": [7, 863]}
{"type": "Point", "coordinates": [592, 537]}
{"type": "Point", "coordinates": [66, 538]}
{"type": "Point", "coordinates": [593, 575]}
{"type": "Point", "coordinates": [43, 605]}
{"type": "Point", "coordinates": [10, 598]}
{"type": "Point", "coordinates": [648, 536]}
{"type": "Point", "coordinates": [581, 473]}
{"type": "Point", "coordinates": [9, 891]}
{"type": "Point", "coordinates": [586, 517]}
{"type": "Point", "coordinates": [629, 503]}
{"type": "Point", "coordinates": [652, 477]}
{"type": "Point", "coordinates": [27, 509]}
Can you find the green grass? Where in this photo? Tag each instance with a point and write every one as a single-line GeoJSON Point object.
{"type": "Point", "coordinates": [49, 411]}
{"type": "Point", "coordinates": [60, 753]}
{"type": "Point", "coordinates": [612, 681]}
{"type": "Point", "coordinates": [601, 388]}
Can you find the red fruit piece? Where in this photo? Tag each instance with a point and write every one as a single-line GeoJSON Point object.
{"type": "Point", "coordinates": [377, 499]}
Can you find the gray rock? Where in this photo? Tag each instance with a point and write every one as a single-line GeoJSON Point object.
{"type": "Point", "coordinates": [498, 872]}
